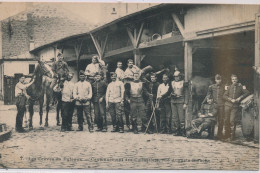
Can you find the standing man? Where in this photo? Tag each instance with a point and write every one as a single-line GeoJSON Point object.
{"type": "Point", "coordinates": [233, 96]}
{"type": "Point", "coordinates": [82, 93]}
{"type": "Point", "coordinates": [150, 105]}
{"type": "Point", "coordinates": [95, 67]}
{"type": "Point", "coordinates": [21, 97]}
{"type": "Point", "coordinates": [119, 71]}
{"type": "Point", "coordinates": [163, 98]}
{"type": "Point", "coordinates": [179, 99]}
{"type": "Point", "coordinates": [115, 102]}
{"type": "Point", "coordinates": [135, 93]}
{"type": "Point", "coordinates": [67, 103]}
{"type": "Point", "coordinates": [217, 91]}
{"type": "Point", "coordinates": [99, 92]}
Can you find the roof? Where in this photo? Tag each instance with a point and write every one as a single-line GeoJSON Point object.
{"type": "Point", "coordinates": [143, 13]}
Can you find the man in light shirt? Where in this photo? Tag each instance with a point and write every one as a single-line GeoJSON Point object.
{"type": "Point", "coordinates": [82, 93]}
{"type": "Point", "coordinates": [21, 97]}
{"type": "Point", "coordinates": [119, 72]}
{"type": "Point", "coordinates": [115, 102]}
{"type": "Point", "coordinates": [164, 104]}
{"type": "Point", "coordinates": [95, 67]}
{"type": "Point", "coordinates": [67, 103]}
{"type": "Point", "coordinates": [131, 69]}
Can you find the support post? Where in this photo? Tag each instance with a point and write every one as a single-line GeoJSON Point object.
{"type": "Point", "coordinates": [188, 76]}
{"type": "Point", "coordinates": [77, 48]}
{"type": "Point", "coordinates": [137, 57]}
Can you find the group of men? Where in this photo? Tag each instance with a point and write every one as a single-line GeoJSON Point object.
{"type": "Point", "coordinates": [153, 106]}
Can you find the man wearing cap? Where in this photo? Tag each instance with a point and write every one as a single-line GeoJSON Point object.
{"type": "Point", "coordinates": [233, 96]}
{"type": "Point", "coordinates": [21, 97]}
{"type": "Point", "coordinates": [135, 93]}
{"type": "Point", "coordinates": [119, 71]}
{"type": "Point", "coordinates": [95, 67]}
{"type": "Point", "coordinates": [131, 69]}
{"type": "Point", "coordinates": [60, 67]}
{"type": "Point", "coordinates": [163, 99]}
{"type": "Point", "coordinates": [206, 118]}
{"type": "Point", "coordinates": [217, 91]}
{"type": "Point", "coordinates": [99, 92]}
{"type": "Point", "coordinates": [67, 103]}
{"type": "Point", "coordinates": [179, 99]}
{"type": "Point", "coordinates": [115, 102]}
{"type": "Point", "coordinates": [152, 88]}
{"type": "Point", "coordinates": [82, 93]}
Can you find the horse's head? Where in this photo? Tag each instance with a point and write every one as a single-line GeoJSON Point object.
{"type": "Point", "coordinates": [45, 69]}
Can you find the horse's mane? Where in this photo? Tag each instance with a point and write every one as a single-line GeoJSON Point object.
{"type": "Point", "coordinates": [35, 89]}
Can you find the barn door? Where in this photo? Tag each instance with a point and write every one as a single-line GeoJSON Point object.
{"type": "Point", "coordinates": [257, 76]}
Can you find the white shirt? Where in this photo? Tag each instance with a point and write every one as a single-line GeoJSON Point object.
{"type": "Point", "coordinates": [129, 73]}
{"type": "Point", "coordinates": [115, 92]}
{"type": "Point", "coordinates": [92, 69]}
{"type": "Point", "coordinates": [82, 90]}
{"type": "Point", "coordinates": [67, 91]}
{"type": "Point", "coordinates": [162, 89]}
{"type": "Point", "coordinates": [20, 89]}
{"type": "Point", "coordinates": [120, 74]}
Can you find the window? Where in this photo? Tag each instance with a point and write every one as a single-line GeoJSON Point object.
{"type": "Point", "coordinates": [31, 68]}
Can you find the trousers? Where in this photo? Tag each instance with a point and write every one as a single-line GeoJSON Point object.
{"type": "Point", "coordinates": [165, 116]}
{"type": "Point", "coordinates": [116, 112]}
{"type": "Point", "coordinates": [86, 110]}
{"type": "Point", "coordinates": [137, 108]}
{"type": "Point", "coordinates": [178, 116]}
{"type": "Point", "coordinates": [231, 115]}
{"type": "Point", "coordinates": [100, 114]}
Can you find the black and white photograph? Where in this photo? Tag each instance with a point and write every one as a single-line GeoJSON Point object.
{"type": "Point", "coordinates": [129, 86]}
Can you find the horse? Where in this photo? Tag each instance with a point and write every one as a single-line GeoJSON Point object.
{"type": "Point", "coordinates": [42, 85]}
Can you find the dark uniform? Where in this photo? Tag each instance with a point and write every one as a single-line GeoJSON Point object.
{"type": "Point", "coordinates": [206, 120]}
{"type": "Point", "coordinates": [217, 92]}
{"type": "Point", "coordinates": [152, 88]}
{"type": "Point", "coordinates": [99, 91]}
{"type": "Point", "coordinates": [60, 68]}
{"type": "Point", "coordinates": [234, 91]}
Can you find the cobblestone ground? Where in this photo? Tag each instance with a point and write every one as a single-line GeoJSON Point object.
{"type": "Point", "coordinates": [50, 148]}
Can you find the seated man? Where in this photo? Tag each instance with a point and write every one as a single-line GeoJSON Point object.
{"type": "Point", "coordinates": [206, 119]}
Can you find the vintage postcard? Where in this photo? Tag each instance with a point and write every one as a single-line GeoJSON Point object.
{"type": "Point", "coordinates": [129, 86]}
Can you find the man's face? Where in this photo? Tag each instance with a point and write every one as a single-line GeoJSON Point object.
{"type": "Point", "coordinates": [119, 65]}
{"type": "Point", "coordinates": [234, 80]}
{"type": "Point", "coordinates": [153, 78]}
{"type": "Point", "coordinates": [97, 77]}
{"type": "Point", "coordinates": [130, 64]}
{"type": "Point", "coordinates": [177, 78]}
{"type": "Point", "coordinates": [22, 79]}
{"type": "Point", "coordinates": [218, 81]}
{"type": "Point", "coordinates": [209, 101]}
{"type": "Point", "coordinates": [113, 77]}
{"type": "Point", "coordinates": [70, 76]}
{"type": "Point", "coordinates": [136, 76]}
{"type": "Point", "coordinates": [60, 58]}
{"type": "Point", "coordinates": [94, 60]}
{"type": "Point", "coordinates": [82, 78]}
{"type": "Point", "coordinates": [165, 79]}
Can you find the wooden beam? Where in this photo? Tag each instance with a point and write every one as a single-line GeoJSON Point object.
{"type": "Point", "coordinates": [132, 39]}
{"type": "Point", "coordinates": [103, 46]}
{"type": "Point", "coordinates": [179, 24]}
{"type": "Point", "coordinates": [77, 48]}
{"type": "Point", "coordinates": [139, 35]}
{"type": "Point", "coordinates": [98, 48]}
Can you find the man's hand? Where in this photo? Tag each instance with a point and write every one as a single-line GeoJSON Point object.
{"type": "Point", "coordinates": [128, 101]}
{"type": "Point", "coordinates": [150, 96]}
{"type": "Point", "coordinates": [101, 100]}
{"type": "Point", "coordinates": [238, 99]}
{"type": "Point", "coordinates": [122, 103]}
{"type": "Point", "coordinates": [107, 106]}
{"type": "Point", "coordinates": [184, 106]}
{"type": "Point", "coordinates": [233, 100]}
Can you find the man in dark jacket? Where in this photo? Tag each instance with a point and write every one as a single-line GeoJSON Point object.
{"type": "Point", "coordinates": [99, 93]}
{"type": "Point", "coordinates": [233, 96]}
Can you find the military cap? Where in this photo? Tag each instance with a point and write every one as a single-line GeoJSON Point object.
{"type": "Point", "coordinates": [95, 57]}
{"type": "Point", "coordinates": [98, 73]}
{"type": "Point", "coordinates": [81, 72]}
{"type": "Point", "coordinates": [129, 60]}
{"type": "Point", "coordinates": [113, 74]}
{"type": "Point", "coordinates": [59, 54]}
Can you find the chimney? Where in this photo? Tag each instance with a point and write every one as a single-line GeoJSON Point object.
{"type": "Point", "coordinates": [30, 25]}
